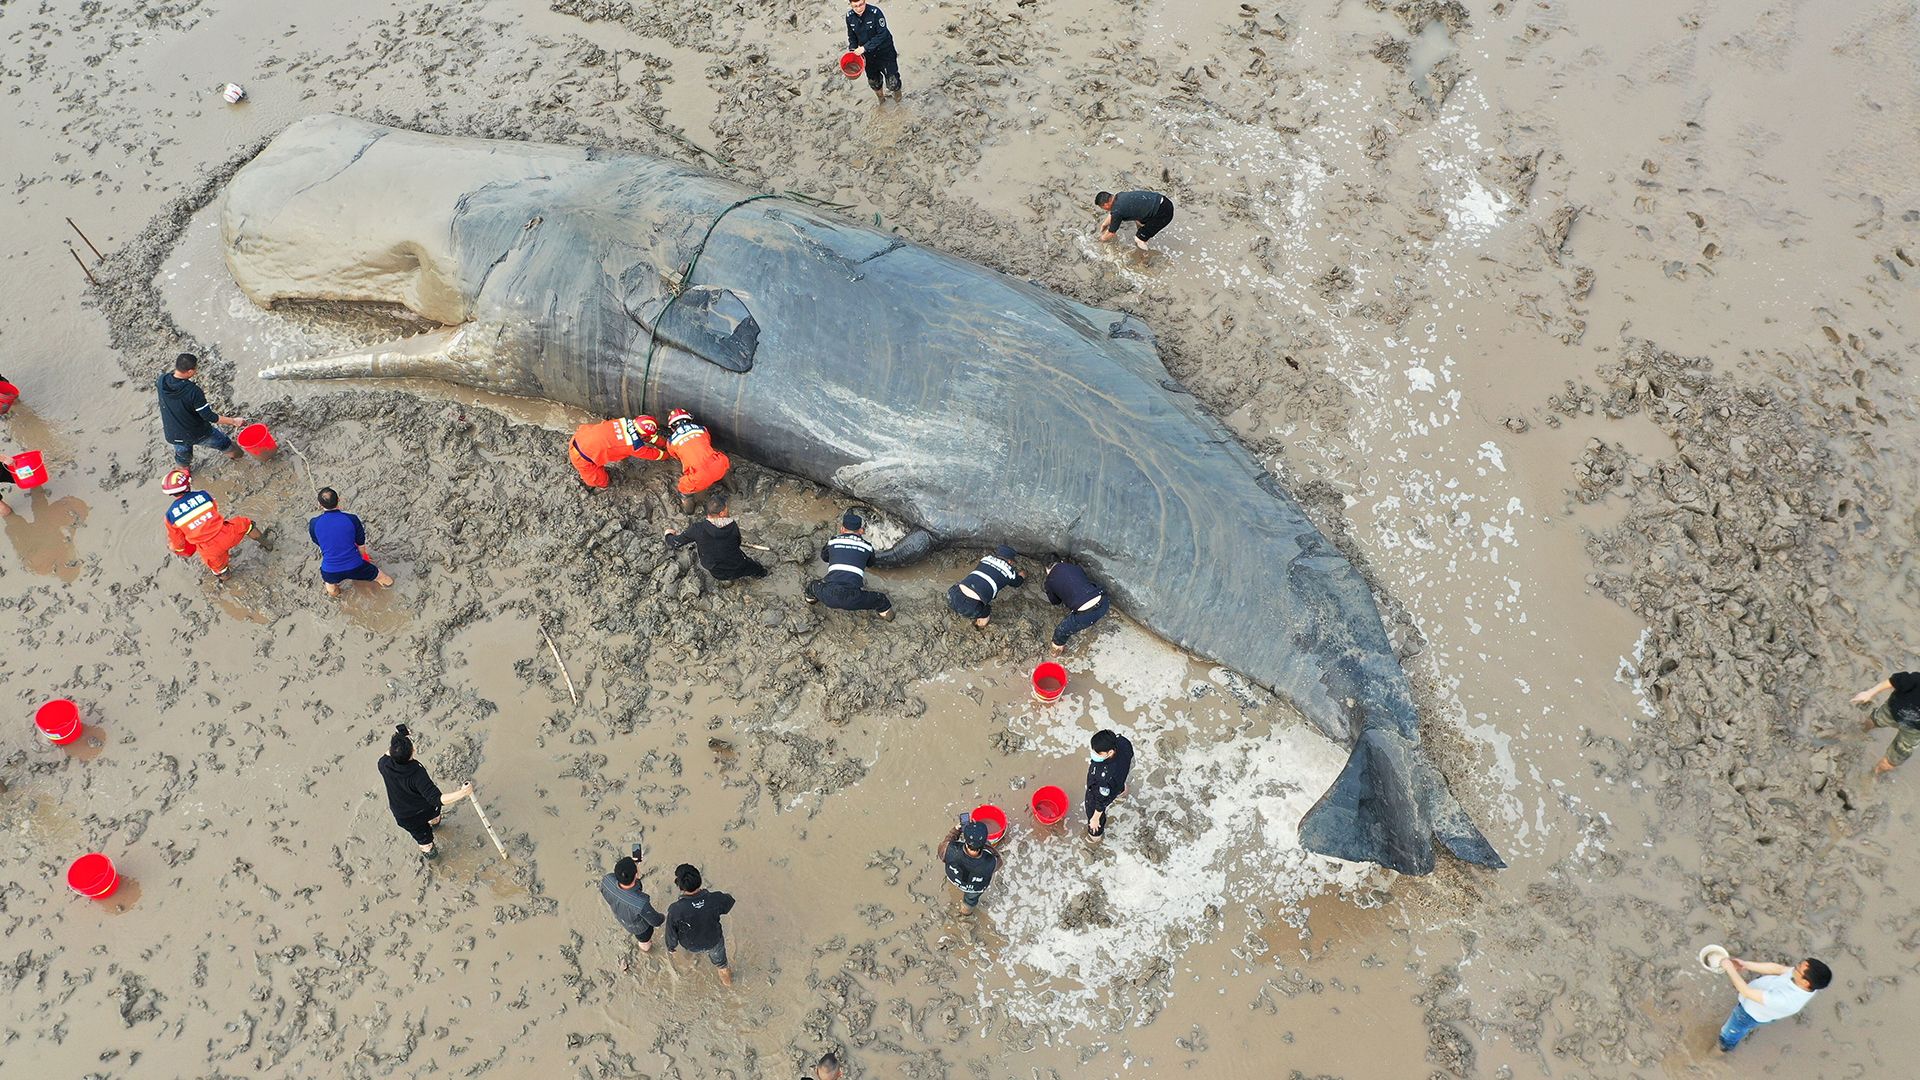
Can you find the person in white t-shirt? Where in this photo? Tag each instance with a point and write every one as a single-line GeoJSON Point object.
{"type": "Point", "coordinates": [1778, 992]}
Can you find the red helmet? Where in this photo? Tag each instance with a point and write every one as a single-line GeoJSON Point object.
{"type": "Point", "coordinates": [647, 424]}
{"type": "Point", "coordinates": [678, 414]}
{"type": "Point", "coordinates": [177, 482]}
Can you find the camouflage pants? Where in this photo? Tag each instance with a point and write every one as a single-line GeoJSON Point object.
{"type": "Point", "coordinates": [1905, 739]}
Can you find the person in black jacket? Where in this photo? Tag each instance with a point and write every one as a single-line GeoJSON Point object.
{"type": "Point", "coordinates": [717, 540]}
{"type": "Point", "coordinates": [632, 907]}
{"type": "Point", "coordinates": [1901, 712]}
{"type": "Point", "coordinates": [970, 861]}
{"type": "Point", "coordinates": [1151, 209]}
{"type": "Point", "coordinates": [867, 35]}
{"type": "Point", "coordinates": [411, 794]}
{"type": "Point", "coordinates": [186, 418]}
{"type": "Point", "coordinates": [1068, 586]}
{"type": "Point", "coordinates": [694, 920]}
{"type": "Point", "coordinates": [1107, 773]}
{"type": "Point", "coordinates": [973, 596]}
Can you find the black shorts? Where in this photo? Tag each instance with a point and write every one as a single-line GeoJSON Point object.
{"type": "Point", "coordinates": [751, 569]}
{"type": "Point", "coordinates": [1157, 221]}
{"type": "Point", "coordinates": [884, 71]}
{"type": "Point", "coordinates": [366, 571]}
{"type": "Point", "coordinates": [966, 605]}
{"type": "Point", "coordinates": [421, 829]}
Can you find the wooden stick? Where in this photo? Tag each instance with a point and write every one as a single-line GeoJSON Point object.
{"type": "Point", "coordinates": [757, 547]}
{"type": "Point", "coordinates": [89, 243]}
{"type": "Point", "coordinates": [562, 664]}
{"type": "Point", "coordinates": [83, 266]}
{"type": "Point", "coordinates": [488, 825]}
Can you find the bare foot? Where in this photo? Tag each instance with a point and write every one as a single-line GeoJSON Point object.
{"type": "Point", "coordinates": [1059, 650]}
{"type": "Point", "coordinates": [887, 614]}
{"type": "Point", "coordinates": [726, 976]}
{"type": "Point", "coordinates": [979, 624]}
{"type": "Point", "coordinates": [5, 510]}
{"type": "Point", "coordinates": [333, 591]}
{"type": "Point", "coordinates": [384, 580]}
{"type": "Point", "coordinates": [1884, 766]}
{"type": "Point", "coordinates": [1141, 244]}
{"type": "Point", "coordinates": [646, 946]}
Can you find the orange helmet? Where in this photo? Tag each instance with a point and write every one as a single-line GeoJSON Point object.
{"type": "Point", "coordinates": [678, 414]}
{"type": "Point", "coordinates": [177, 482]}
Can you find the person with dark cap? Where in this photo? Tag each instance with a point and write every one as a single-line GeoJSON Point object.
{"type": "Point", "coordinates": [868, 36]}
{"type": "Point", "coordinates": [845, 584]}
{"type": "Point", "coordinates": [970, 861]}
{"type": "Point", "coordinates": [632, 907]}
{"type": "Point", "coordinates": [1151, 209]}
{"type": "Point", "coordinates": [717, 540]}
{"type": "Point", "coordinates": [973, 596]}
{"type": "Point", "coordinates": [1068, 586]}
{"type": "Point", "coordinates": [694, 920]}
{"type": "Point", "coordinates": [413, 797]}
{"type": "Point", "coordinates": [185, 417]}
{"type": "Point", "coordinates": [342, 540]}
{"type": "Point", "coordinates": [827, 1068]}
{"type": "Point", "coordinates": [1107, 773]}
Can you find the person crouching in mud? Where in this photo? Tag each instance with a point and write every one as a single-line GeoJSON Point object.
{"type": "Point", "coordinates": [413, 797]}
{"type": "Point", "coordinates": [845, 584]}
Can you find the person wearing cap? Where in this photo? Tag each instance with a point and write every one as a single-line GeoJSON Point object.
{"type": "Point", "coordinates": [596, 446]}
{"type": "Point", "coordinates": [632, 907]}
{"type": "Point", "coordinates": [412, 795]}
{"type": "Point", "coordinates": [1068, 586]}
{"type": "Point", "coordinates": [186, 418]}
{"type": "Point", "coordinates": [1107, 770]}
{"type": "Point", "coordinates": [869, 38]}
{"type": "Point", "coordinates": [717, 539]}
{"type": "Point", "coordinates": [701, 466]}
{"type": "Point", "coordinates": [194, 524]}
{"type": "Point", "coordinates": [342, 541]}
{"type": "Point", "coordinates": [845, 584]}
{"type": "Point", "coordinates": [694, 920]}
{"type": "Point", "coordinates": [970, 861]}
{"type": "Point", "coordinates": [1151, 209]}
{"type": "Point", "coordinates": [973, 596]}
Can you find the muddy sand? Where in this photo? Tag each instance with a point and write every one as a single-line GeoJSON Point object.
{"type": "Point", "coordinates": [1586, 330]}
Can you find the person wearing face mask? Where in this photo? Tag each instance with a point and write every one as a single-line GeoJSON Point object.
{"type": "Point", "coordinates": [869, 38]}
{"type": "Point", "coordinates": [1107, 771]}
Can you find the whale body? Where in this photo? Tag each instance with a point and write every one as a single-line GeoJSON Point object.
{"type": "Point", "coordinates": [979, 408]}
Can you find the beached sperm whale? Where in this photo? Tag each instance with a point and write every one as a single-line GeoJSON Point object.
{"type": "Point", "coordinates": [980, 408]}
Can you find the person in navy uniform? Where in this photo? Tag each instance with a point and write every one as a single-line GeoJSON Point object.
{"type": "Point", "coordinates": [845, 584]}
{"type": "Point", "coordinates": [1107, 770]}
{"type": "Point", "coordinates": [973, 596]}
{"type": "Point", "coordinates": [868, 36]}
{"type": "Point", "coordinates": [970, 861]}
{"type": "Point", "coordinates": [1068, 586]}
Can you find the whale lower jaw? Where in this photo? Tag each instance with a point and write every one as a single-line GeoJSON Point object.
{"type": "Point", "coordinates": [431, 355]}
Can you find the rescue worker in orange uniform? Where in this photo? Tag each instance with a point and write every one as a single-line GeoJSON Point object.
{"type": "Point", "coordinates": [701, 466]}
{"type": "Point", "coordinates": [596, 446]}
{"type": "Point", "coordinates": [194, 524]}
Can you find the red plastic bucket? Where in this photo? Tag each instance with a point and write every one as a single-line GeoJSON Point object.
{"type": "Point", "coordinates": [995, 818]}
{"type": "Point", "coordinates": [255, 439]}
{"type": "Point", "coordinates": [1049, 681]}
{"type": "Point", "coordinates": [852, 64]}
{"type": "Point", "coordinates": [1049, 804]}
{"type": "Point", "coordinates": [92, 875]}
{"type": "Point", "coordinates": [59, 721]}
{"type": "Point", "coordinates": [9, 394]}
{"type": "Point", "coordinates": [28, 470]}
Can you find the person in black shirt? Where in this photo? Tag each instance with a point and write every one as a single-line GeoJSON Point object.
{"type": "Point", "coordinates": [1106, 778]}
{"type": "Point", "coordinates": [1151, 209]}
{"type": "Point", "coordinates": [973, 596]}
{"type": "Point", "coordinates": [632, 907]}
{"type": "Point", "coordinates": [970, 861]}
{"type": "Point", "coordinates": [717, 539]}
{"type": "Point", "coordinates": [694, 920]}
{"type": "Point", "coordinates": [1901, 711]}
{"type": "Point", "coordinates": [1068, 586]}
{"type": "Point", "coordinates": [867, 35]}
{"type": "Point", "coordinates": [411, 794]}
{"type": "Point", "coordinates": [185, 417]}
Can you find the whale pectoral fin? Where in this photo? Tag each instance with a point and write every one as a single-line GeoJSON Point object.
{"type": "Point", "coordinates": [910, 549]}
{"type": "Point", "coordinates": [1388, 806]}
{"type": "Point", "coordinates": [432, 355]}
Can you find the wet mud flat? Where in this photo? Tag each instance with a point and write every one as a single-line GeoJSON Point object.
{"type": "Point", "coordinates": [1408, 232]}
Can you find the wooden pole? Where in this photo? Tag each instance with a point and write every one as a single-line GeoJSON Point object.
{"type": "Point", "coordinates": [89, 243]}
{"type": "Point", "coordinates": [83, 266]}
{"type": "Point", "coordinates": [562, 665]}
{"type": "Point", "coordinates": [488, 825]}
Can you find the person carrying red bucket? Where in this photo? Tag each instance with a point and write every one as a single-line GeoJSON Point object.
{"type": "Point", "coordinates": [194, 524]}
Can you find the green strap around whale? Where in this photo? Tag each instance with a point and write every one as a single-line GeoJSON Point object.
{"type": "Point", "coordinates": [686, 281]}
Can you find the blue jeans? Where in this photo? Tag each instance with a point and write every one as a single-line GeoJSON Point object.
{"type": "Point", "coordinates": [215, 440]}
{"type": "Point", "coordinates": [1077, 621]}
{"type": "Point", "coordinates": [1739, 1024]}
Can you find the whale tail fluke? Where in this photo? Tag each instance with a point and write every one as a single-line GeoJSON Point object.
{"type": "Point", "coordinates": [1389, 806]}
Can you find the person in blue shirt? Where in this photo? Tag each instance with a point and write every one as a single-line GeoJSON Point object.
{"type": "Point", "coordinates": [343, 546]}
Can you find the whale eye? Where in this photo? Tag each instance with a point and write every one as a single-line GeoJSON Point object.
{"type": "Point", "coordinates": [712, 324]}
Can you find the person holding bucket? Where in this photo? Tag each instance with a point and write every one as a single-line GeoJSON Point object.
{"type": "Point", "coordinates": [973, 596]}
{"type": "Point", "coordinates": [413, 797]}
{"type": "Point", "coordinates": [186, 418]}
{"type": "Point", "coordinates": [970, 862]}
{"type": "Point", "coordinates": [1068, 586]}
{"type": "Point", "coordinates": [195, 526]}
{"type": "Point", "coordinates": [342, 541]}
{"type": "Point", "coordinates": [1107, 773]}
{"type": "Point", "coordinates": [870, 40]}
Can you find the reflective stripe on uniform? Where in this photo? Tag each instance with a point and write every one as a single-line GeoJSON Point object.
{"type": "Point", "coordinates": [686, 432]}
{"type": "Point", "coordinates": [849, 568]}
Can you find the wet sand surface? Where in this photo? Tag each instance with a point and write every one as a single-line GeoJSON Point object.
{"type": "Point", "coordinates": [1585, 329]}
